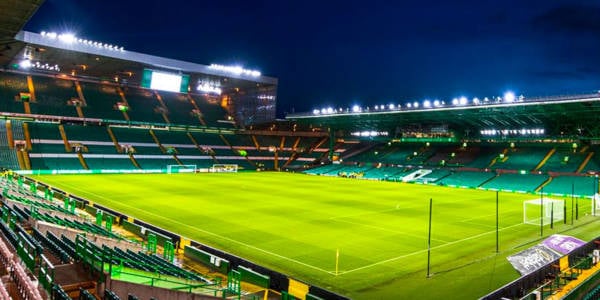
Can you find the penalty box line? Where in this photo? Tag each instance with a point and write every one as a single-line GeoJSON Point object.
{"type": "Point", "coordinates": [425, 250]}
{"type": "Point", "coordinates": [209, 233]}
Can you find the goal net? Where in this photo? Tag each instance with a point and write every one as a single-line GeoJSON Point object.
{"type": "Point", "coordinates": [595, 205]}
{"type": "Point", "coordinates": [224, 168]}
{"type": "Point", "coordinates": [546, 209]}
{"type": "Point", "coordinates": [181, 169]}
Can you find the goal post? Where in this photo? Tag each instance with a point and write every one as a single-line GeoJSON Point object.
{"type": "Point", "coordinates": [548, 209]}
{"type": "Point", "coordinates": [595, 205]}
{"type": "Point", "coordinates": [224, 168]}
{"type": "Point", "coordinates": [181, 169]}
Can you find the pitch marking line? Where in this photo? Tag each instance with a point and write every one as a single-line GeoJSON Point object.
{"type": "Point", "coordinates": [287, 258]}
{"type": "Point", "coordinates": [424, 250]}
{"type": "Point", "coordinates": [206, 232]}
{"type": "Point", "coordinates": [388, 230]}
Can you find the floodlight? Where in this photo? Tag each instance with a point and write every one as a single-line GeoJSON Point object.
{"type": "Point", "coordinates": [329, 110]}
{"type": "Point", "coordinates": [376, 107]}
{"type": "Point", "coordinates": [416, 104]}
{"type": "Point", "coordinates": [455, 101]}
{"type": "Point", "coordinates": [475, 100]}
{"type": "Point", "coordinates": [463, 100]}
{"type": "Point", "coordinates": [509, 96]}
{"type": "Point", "coordinates": [323, 110]}
{"type": "Point", "coordinates": [436, 103]}
{"type": "Point", "coordinates": [355, 108]}
{"type": "Point", "coordinates": [25, 64]}
{"type": "Point", "coordinates": [68, 38]}
{"type": "Point", "coordinates": [409, 105]}
{"type": "Point", "coordinates": [391, 106]}
{"type": "Point", "coordinates": [427, 103]}
{"type": "Point", "coordinates": [315, 111]}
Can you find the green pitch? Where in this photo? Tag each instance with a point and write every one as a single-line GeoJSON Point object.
{"type": "Point", "coordinates": [296, 224]}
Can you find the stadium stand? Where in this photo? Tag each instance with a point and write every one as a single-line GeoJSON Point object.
{"type": "Point", "coordinates": [470, 179]}
{"type": "Point", "coordinates": [568, 185]}
{"type": "Point", "coordinates": [143, 106]}
{"type": "Point", "coordinates": [179, 108]}
{"type": "Point", "coordinates": [101, 101]}
{"type": "Point", "coordinates": [53, 97]}
{"type": "Point", "coordinates": [564, 160]}
{"type": "Point", "coordinates": [11, 85]}
{"type": "Point", "coordinates": [522, 158]}
{"type": "Point", "coordinates": [516, 182]}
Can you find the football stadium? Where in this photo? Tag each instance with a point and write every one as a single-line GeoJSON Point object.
{"type": "Point", "coordinates": [132, 176]}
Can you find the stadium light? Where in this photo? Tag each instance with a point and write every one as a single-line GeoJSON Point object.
{"type": "Point", "coordinates": [391, 106]}
{"type": "Point", "coordinates": [315, 111]}
{"type": "Point", "coordinates": [330, 110]}
{"type": "Point", "coordinates": [416, 104]}
{"type": "Point", "coordinates": [509, 97]}
{"type": "Point", "coordinates": [476, 100]}
{"type": "Point", "coordinates": [355, 108]}
{"type": "Point", "coordinates": [25, 64]}
{"type": "Point", "coordinates": [463, 100]}
{"type": "Point", "coordinates": [238, 70]}
{"type": "Point", "coordinates": [68, 38]}
{"type": "Point", "coordinates": [436, 103]}
{"type": "Point", "coordinates": [409, 105]}
{"type": "Point", "coordinates": [455, 101]}
{"type": "Point", "coordinates": [427, 103]}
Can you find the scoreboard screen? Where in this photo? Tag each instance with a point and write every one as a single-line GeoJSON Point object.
{"type": "Point", "coordinates": [163, 81]}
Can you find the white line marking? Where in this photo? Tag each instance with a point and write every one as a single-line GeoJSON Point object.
{"type": "Point", "coordinates": [388, 230]}
{"type": "Point", "coordinates": [204, 231]}
{"type": "Point", "coordinates": [424, 250]}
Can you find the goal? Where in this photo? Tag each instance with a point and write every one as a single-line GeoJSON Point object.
{"type": "Point", "coordinates": [546, 209]}
{"type": "Point", "coordinates": [595, 205]}
{"type": "Point", "coordinates": [181, 169]}
{"type": "Point", "coordinates": [224, 168]}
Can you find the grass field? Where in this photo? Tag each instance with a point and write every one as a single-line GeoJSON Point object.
{"type": "Point", "coordinates": [295, 223]}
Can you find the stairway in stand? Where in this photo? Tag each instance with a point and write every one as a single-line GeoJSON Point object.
{"type": "Point", "coordinates": [8, 156]}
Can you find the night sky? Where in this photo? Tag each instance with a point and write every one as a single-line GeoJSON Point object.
{"type": "Point", "coordinates": [340, 53]}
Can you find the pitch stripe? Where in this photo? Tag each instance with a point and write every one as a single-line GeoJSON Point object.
{"type": "Point", "coordinates": [206, 232]}
{"type": "Point", "coordinates": [425, 250]}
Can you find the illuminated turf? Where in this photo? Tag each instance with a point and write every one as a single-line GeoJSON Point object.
{"type": "Point", "coordinates": [295, 223]}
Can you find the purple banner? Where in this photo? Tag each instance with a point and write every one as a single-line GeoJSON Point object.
{"type": "Point", "coordinates": [563, 244]}
{"type": "Point", "coordinates": [532, 259]}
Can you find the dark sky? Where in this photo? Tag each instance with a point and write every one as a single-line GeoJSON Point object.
{"type": "Point", "coordinates": [341, 53]}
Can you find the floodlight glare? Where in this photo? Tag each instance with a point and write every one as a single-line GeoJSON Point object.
{"type": "Point", "coordinates": [329, 110]}
{"type": "Point", "coordinates": [315, 111]}
{"type": "Point", "coordinates": [455, 101]}
{"type": "Point", "coordinates": [475, 100]}
{"type": "Point", "coordinates": [68, 38]}
{"type": "Point", "coordinates": [409, 105]}
{"type": "Point", "coordinates": [416, 104]}
{"type": "Point", "coordinates": [323, 110]}
{"type": "Point", "coordinates": [463, 100]}
{"type": "Point", "coordinates": [355, 108]}
{"type": "Point", "coordinates": [25, 64]}
{"type": "Point", "coordinates": [436, 103]}
{"type": "Point", "coordinates": [509, 96]}
{"type": "Point", "coordinates": [391, 106]}
{"type": "Point", "coordinates": [427, 103]}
